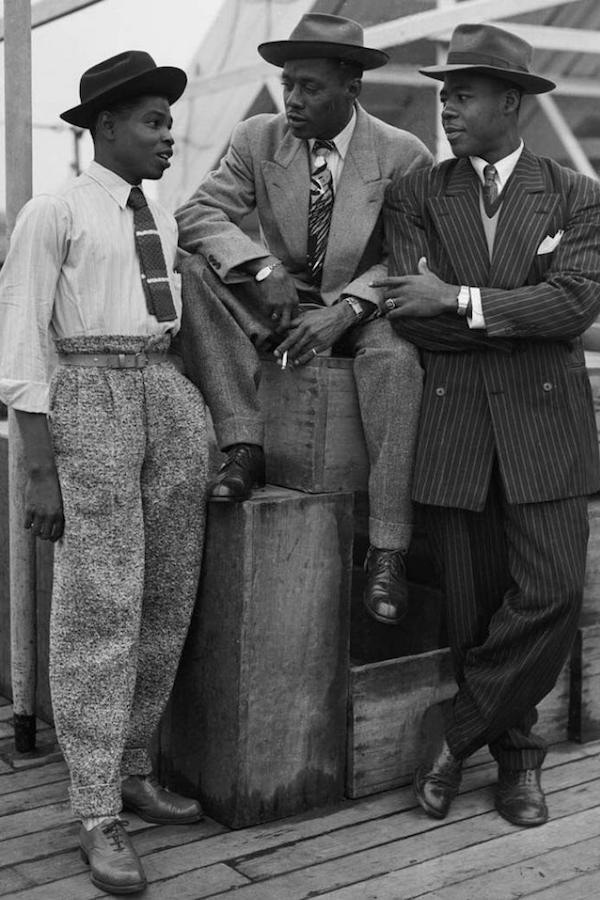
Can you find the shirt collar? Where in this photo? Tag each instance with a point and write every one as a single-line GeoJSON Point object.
{"type": "Point", "coordinates": [504, 167]}
{"type": "Point", "coordinates": [341, 140]}
{"type": "Point", "coordinates": [113, 184]}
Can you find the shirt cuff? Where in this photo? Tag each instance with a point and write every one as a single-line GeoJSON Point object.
{"type": "Point", "coordinates": [27, 396]}
{"type": "Point", "coordinates": [476, 320]}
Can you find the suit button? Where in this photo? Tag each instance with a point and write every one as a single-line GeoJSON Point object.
{"type": "Point", "coordinates": [547, 386]}
{"type": "Point", "coordinates": [440, 391]}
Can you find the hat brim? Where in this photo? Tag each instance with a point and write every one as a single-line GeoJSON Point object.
{"type": "Point", "coordinates": [163, 81]}
{"type": "Point", "coordinates": [529, 83]}
{"type": "Point", "coordinates": [279, 52]}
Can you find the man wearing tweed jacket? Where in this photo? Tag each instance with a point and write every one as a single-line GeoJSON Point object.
{"type": "Point", "coordinates": [280, 293]}
{"type": "Point", "coordinates": [495, 265]}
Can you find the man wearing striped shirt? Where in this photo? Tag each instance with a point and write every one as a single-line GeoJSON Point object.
{"type": "Point", "coordinates": [115, 447]}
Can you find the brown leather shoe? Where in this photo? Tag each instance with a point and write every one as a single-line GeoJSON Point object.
{"type": "Point", "coordinates": [115, 866]}
{"type": "Point", "coordinates": [243, 470]}
{"type": "Point", "coordinates": [386, 593]}
{"type": "Point", "coordinates": [153, 803]}
{"type": "Point", "coordinates": [520, 798]}
{"type": "Point", "coordinates": [437, 783]}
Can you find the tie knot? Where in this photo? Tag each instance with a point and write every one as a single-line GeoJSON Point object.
{"type": "Point", "coordinates": [136, 199]}
{"type": "Point", "coordinates": [322, 148]}
{"type": "Point", "coordinates": [489, 174]}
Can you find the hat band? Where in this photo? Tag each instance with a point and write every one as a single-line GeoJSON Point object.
{"type": "Point", "coordinates": [479, 59]}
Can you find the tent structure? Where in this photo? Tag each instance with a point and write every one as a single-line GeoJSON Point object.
{"type": "Point", "coordinates": [229, 81]}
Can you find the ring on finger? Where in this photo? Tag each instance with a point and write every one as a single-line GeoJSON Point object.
{"type": "Point", "coordinates": [390, 304]}
{"type": "Point", "coordinates": [313, 351]}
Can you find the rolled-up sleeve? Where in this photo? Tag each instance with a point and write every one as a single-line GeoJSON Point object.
{"type": "Point", "coordinates": [28, 283]}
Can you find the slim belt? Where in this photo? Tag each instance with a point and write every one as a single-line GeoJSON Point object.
{"type": "Point", "coordinates": [117, 360]}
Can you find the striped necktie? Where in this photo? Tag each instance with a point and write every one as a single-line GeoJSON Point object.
{"type": "Point", "coordinates": [155, 279]}
{"type": "Point", "coordinates": [321, 206]}
{"type": "Point", "coordinates": [491, 199]}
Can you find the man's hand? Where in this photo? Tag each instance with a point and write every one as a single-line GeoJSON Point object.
{"type": "Point", "coordinates": [314, 331]}
{"type": "Point", "coordinates": [420, 296]}
{"type": "Point", "coordinates": [276, 297]}
{"type": "Point", "coordinates": [43, 505]}
{"type": "Point", "coordinates": [43, 498]}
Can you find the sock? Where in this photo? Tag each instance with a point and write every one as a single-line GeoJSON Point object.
{"type": "Point", "coordinates": [92, 821]}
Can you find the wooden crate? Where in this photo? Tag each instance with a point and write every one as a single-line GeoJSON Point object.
{"type": "Point", "coordinates": [256, 726]}
{"type": "Point", "coordinates": [313, 433]}
{"type": "Point", "coordinates": [584, 716]}
{"type": "Point", "coordinates": [386, 704]}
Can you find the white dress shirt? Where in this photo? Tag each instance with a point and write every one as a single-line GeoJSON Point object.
{"type": "Point", "coordinates": [504, 169]}
{"type": "Point", "coordinates": [73, 270]}
{"type": "Point", "coordinates": [335, 159]}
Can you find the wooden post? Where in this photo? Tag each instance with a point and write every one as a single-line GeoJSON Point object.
{"type": "Point", "coordinates": [17, 104]}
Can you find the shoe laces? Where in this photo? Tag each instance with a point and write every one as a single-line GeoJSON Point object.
{"type": "Point", "coordinates": [115, 833]}
{"type": "Point", "coordinates": [384, 559]}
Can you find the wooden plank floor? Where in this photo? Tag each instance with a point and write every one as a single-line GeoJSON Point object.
{"type": "Point", "coordinates": [377, 848]}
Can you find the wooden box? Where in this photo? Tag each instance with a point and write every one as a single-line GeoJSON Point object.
{"type": "Point", "coordinates": [313, 433]}
{"type": "Point", "coordinates": [256, 726]}
{"type": "Point", "coordinates": [386, 703]}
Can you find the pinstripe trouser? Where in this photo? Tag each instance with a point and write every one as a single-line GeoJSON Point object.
{"type": "Point", "coordinates": [130, 448]}
{"type": "Point", "coordinates": [513, 582]}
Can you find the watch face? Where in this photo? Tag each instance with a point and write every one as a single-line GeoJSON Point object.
{"type": "Point", "coordinates": [263, 273]}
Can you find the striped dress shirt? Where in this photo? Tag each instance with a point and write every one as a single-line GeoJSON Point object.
{"type": "Point", "coordinates": [72, 270]}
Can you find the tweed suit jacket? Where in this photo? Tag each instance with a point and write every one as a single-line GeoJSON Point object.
{"type": "Point", "coordinates": [266, 168]}
{"type": "Point", "coordinates": [517, 391]}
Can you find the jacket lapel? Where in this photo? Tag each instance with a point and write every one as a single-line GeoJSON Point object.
{"type": "Point", "coordinates": [523, 223]}
{"type": "Point", "coordinates": [287, 180]}
{"type": "Point", "coordinates": [457, 219]}
{"type": "Point", "coordinates": [358, 202]}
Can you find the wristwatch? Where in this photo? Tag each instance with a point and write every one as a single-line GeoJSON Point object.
{"type": "Point", "coordinates": [266, 271]}
{"type": "Point", "coordinates": [463, 300]}
{"type": "Point", "coordinates": [355, 305]}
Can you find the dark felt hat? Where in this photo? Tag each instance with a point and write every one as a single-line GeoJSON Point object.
{"type": "Point", "coordinates": [129, 74]}
{"type": "Point", "coordinates": [491, 51]}
{"type": "Point", "coordinates": [318, 36]}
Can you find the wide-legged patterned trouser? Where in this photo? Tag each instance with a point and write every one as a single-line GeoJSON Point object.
{"type": "Point", "coordinates": [130, 448]}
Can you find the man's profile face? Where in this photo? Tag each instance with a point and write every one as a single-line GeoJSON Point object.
{"type": "Point", "coordinates": [142, 144]}
{"type": "Point", "coordinates": [474, 115]}
{"type": "Point", "coordinates": [318, 97]}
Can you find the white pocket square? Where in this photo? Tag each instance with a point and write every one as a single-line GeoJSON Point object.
{"type": "Point", "coordinates": [549, 243]}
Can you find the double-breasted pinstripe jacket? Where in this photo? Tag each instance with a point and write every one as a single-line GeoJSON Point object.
{"type": "Point", "coordinates": [517, 391]}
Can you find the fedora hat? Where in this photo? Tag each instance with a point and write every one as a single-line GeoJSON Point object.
{"type": "Point", "coordinates": [318, 36]}
{"type": "Point", "coordinates": [129, 74]}
{"type": "Point", "coordinates": [491, 51]}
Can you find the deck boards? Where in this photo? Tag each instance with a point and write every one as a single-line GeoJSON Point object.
{"type": "Point", "coordinates": [377, 848]}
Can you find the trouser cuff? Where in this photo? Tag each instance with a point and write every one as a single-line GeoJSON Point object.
{"type": "Point", "coordinates": [390, 535]}
{"type": "Point", "coordinates": [136, 761]}
{"type": "Point", "coordinates": [239, 431]}
{"type": "Point", "coordinates": [94, 800]}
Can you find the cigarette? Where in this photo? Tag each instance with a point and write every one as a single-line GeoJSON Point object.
{"type": "Point", "coordinates": [284, 359]}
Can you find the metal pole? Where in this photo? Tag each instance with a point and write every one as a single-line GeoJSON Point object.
{"type": "Point", "coordinates": [23, 613]}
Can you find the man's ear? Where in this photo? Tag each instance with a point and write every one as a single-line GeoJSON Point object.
{"type": "Point", "coordinates": [105, 125]}
{"type": "Point", "coordinates": [512, 100]}
{"type": "Point", "coordinates": [355, 87]}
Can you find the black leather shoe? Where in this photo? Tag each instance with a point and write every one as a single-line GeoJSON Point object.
{"type": "Point", "coordinates": [437, 783]}
{"type": "Point", "coordinates": [243, 470]}
{"type": "Point", "coordinates": [520, 798]}
{"type": "Point", "coordinates": [115, 866]}
{"type": "Point", "coordinates": [386, 592]}
{"type": "Point", "coordinates": [153, 803]}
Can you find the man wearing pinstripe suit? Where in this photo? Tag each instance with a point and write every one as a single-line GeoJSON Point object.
{"type": "Point", "coordinates": [496, 274]}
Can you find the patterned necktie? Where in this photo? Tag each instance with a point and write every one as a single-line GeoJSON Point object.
{"type": "Point", "coordinates": [321, 205]}
{"type": "Point", "coordinates": [155, 280]}
{"type": "Point", "coordinates": [491, 200]}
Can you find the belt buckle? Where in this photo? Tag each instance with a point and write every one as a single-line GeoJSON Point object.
{"type": "Point", "coordinates": [141, 359]}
